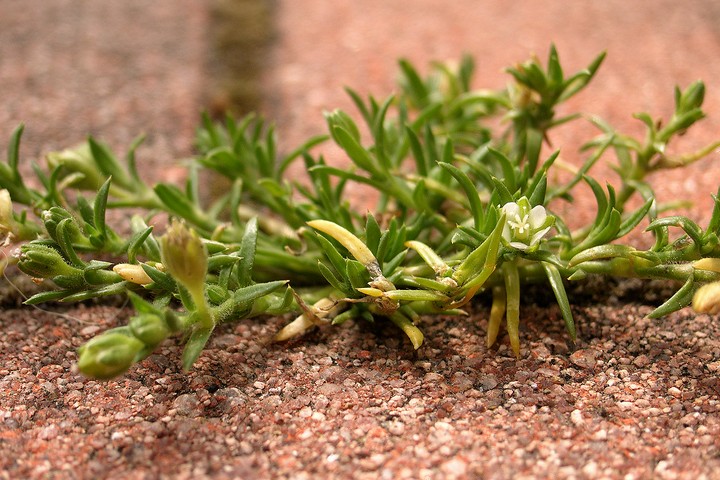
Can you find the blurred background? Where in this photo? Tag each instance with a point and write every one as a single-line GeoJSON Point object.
{"type": "Point", "coordinates": [117, 69]}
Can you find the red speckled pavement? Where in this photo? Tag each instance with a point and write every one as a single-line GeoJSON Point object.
{"type": "Point", "coordinates": [636, 398]}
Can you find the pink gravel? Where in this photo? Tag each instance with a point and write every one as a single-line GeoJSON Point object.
{"type": "Point", "coordinates": [634, 399]}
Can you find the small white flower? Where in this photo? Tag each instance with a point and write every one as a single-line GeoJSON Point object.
{"type": "Point", "coordinates": [525, 225]}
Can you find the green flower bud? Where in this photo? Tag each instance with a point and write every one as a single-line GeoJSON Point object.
{"type": "Point", "coordinates": [108, 355]}
{"type": "Point", "coordinates": [41, 261]}
{"type": "Point", "coordinates": [149, 328]}
{"type": "Point", "coordinates": [79, 167]}
{"type": "Point", "coordinates": [51, 219]}
{"type": "Point", "coordinates": [184, 256]}
{"type": "Point", "coordinates": [691, 98]}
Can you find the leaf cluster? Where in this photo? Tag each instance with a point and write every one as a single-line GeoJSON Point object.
{"type": "Point", "coordinates": [465, 206]}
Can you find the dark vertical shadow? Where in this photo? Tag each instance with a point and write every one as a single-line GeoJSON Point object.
{"type": "Point", "coordinates": [240, 35]}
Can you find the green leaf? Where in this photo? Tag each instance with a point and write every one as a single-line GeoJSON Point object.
{"type": "Point", "coordinates": [418, 154]}
{"type": "Point", "coordinates": [501, 192]}
{"type": "Point", "coordinates": [714, 224]}
{"type": "Point", "coordinates": [601, 252]}
{"type": "Point", "coordinates": [390, 267]}
{"type": "Point", "coordinates": [415, 296]}
{"type": "Point", "coordinates": [247, 252]}
{"type": "Point", "coordinates": [537, 194]}
{"type": "Point", "coordinates": [130, 158]}
{"type": "Point", "coordinates": [414, 83]}
{"type": "Point", "coordinates": [136, 242]}
{"type": "Point", "coordinates": [64, 237]}
{"type": "Point", "coordinates": [332, 253]}
{"type": "Point", "coordinates": [245, 296]}
{"type": "Point", "coordinates": [13, 152]}
{"type": "Point", "coordinates": [554, 68]}
{"type": "Point", "coordinates": [344, 174]}
{"type": "Point", "coordinates": [180, 205]}
{"type": "Point", "coordinates": [161, 279]}
{"type": "Point", "coordinates": [413, 333]}
{"type": "Point", "coordinates": [372, 234]}
{"type": "Point", "coordinates": [512, 311]}
{"type": "Point", "coordinates": [378, 130]}
{"type": "Point", "coordinates": [600, 198]}
{"type": "Point", "coordinates": [99, 208]}
{"type": "Point", "coordinates": [610, 231]}
{"type": "Point", "coordinates": [481, 262]}
{"type": "Point", "coordinates": [108, 164]}
{"type": "Point", "coordinates": [691, 228]}
{"type": "Point", "coordinates": [356, 273]}
{"type": "Point", "coordinates": [298, 152]}
{"type": "Point", "coordinates": [45, 297]}
{"type": "Point", "coordinates": [341, 120]}
{"type": "Point", "coordinates": [141, 305]}
{"type": "Point", "coordinates": [359, 155]}
{"type": "Point", "coordinates": [359, 104]}
{"type": "Point", "coordinates": [476, 206]}
{"type": "Point", "coordinates": [580, 80]}
{"type": "Point", "coordinates": [150, 244]}
{"type": "Point", "coordinates": [682, 298]}
{"type": "Point", "coordinates": [509, 179]}
{"type": "Point", "coordinates": [532, 149]}
{"type": "Point", "coordinates": [427, 284]}
{"type": "Point", "coordinates": [219, 262]}
{"type": "Point", "coordinates": [556, 283]}
{"type": "Point", "coordinates": [113, 289]}
{"type": "Point", "coordinates": [10, 178]}
{"type": "Point", "coordinates": [635, 218]}
{"type": "Point", "coordinates": [194, 347]}
{"type": "Point", "coordinates": [337, 283]}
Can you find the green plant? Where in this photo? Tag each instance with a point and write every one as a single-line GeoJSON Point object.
{"type": "Point", "coordinates": [464, 206]}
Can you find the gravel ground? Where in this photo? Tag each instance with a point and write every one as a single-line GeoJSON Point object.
{"type": "Point", "coordinates": [634, 399]}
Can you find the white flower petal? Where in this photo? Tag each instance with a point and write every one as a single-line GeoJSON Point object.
{"type": "Point", "coordinates": [538, 235]}
{"type": "Point", "coordinates": [507, 233]}
{"type": "Point", "coordinates": [537, 217]}
{"type": "Point", "coordinates": [519, 246]}
{"type": "Point", "coordinates": [511, 209]}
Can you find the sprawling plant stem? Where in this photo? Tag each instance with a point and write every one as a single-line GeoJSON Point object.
{"type": "Point", "coordinates": [463, 182]}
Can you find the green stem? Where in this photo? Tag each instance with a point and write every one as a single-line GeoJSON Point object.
{"type": "Point", "coordinates": [202, 310]}
{"type": "Point", "coordinates": [512, 312]}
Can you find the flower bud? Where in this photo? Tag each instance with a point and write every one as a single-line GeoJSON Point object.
{"type": "Point", "coordinates": [108, 355]}
{"type": "Point", "coordinates": [53, 216]}
{"type": "Point", "coordinates": [5, 207]}
{"type": "Point", "coordinates": [149, 328]}
{"type": "Point", "coordinates": [184, 256]}
{"type": "Point", "coordinates": [691, 98]}
{"type": "Point", "coordinates": [41, 261]}
{"type": "Point", "coordinates": [712, 264]}
{"type": "Point", "coordinates": [8, 225]}
{"type": "Point", "coordinates": [132, 273]}
{"type": "Point", "coordinates": [707, 299]}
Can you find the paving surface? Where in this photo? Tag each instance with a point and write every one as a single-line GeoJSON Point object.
{"type": "Point", "coordinates": [638, 398]}
{"type": "Point", "coordinates": [71, 68]}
